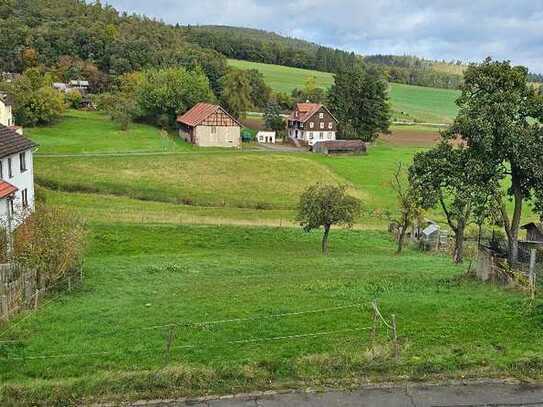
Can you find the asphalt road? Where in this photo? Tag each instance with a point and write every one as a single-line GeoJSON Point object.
{"type": "Point", "coordinates": [455, 395]}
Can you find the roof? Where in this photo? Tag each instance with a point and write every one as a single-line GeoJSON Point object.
{"type": "Point", "coordinates": [200, 112]}
{"type": "Point", "coordinates": [6, 189]}
{"type": "Point", "coordinates": [6, 99]}
{"type": "Point", "coordinates": [307, 110]}
{"type": "Point", "coordinates": [12, 142]}
{"type": "Point", "coordinates": [266, 133]}
{"type": "Point", "coordinates": [533, 225]}
{"type": "Point", "coordinates": [430, 230]}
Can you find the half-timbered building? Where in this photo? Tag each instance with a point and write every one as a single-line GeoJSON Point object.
{"type": "Point", "coordinates": [208, 125]}
{"type": "Point", "coordinates": [311, 123]}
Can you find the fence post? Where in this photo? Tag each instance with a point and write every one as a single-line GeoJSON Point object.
{"type": "Point", "coordinates": [395, 337]}
{"type": "Point", "coordinates": [170, 338]}
{"type": "Point", "coordinates": [36, 299]}
{"type": "Point", "coordinates": [533, 257]}
{"type": "Point", "coordinates": [4, 305]}
{"type": "Point", "coordinates": [374, 329]}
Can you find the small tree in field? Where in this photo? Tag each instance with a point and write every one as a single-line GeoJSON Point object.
{"type": "Point", "coordinates": [326, 205]}
{"type": "Point", "coordinates": [408, 205]}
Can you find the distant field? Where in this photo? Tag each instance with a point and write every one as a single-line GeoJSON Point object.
{"type": "Point", "coordinates": [408, 102]}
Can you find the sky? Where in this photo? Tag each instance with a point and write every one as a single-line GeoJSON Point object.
{"type": "Point", "coordinates": [466, 30]}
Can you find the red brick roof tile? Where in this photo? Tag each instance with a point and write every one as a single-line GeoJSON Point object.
{"type": "Point", "coordinates": [6, 189]}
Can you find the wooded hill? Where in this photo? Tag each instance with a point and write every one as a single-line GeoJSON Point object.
{"type": "Point", "coordinates": [40, 32]}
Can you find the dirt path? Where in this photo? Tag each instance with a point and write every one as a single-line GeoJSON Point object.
{"type": "Point", "coordinates": [495, 394]}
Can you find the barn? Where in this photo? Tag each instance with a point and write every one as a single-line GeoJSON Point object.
{"type": "Point", "coordinates": [340, 147]}
{"type": "Point", "coordinates": [208, 125]}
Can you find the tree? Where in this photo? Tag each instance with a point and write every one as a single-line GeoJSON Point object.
{"type": "Point", "coordinates": [446, 176]}
{"type": "Point", "coordinates": [260, 92]}
{"type": "Point", "coordinates": [170, 91]}
{"type": "Point", "coordinates": [273, 118]}
{"type": "Point", "coordinates": [499, 119]}
{"type": "Point", "coordinates": [409, 208]}
{"type": "Point", "coordinates": [359, 101]}
{"type": "Point", "coordinates": [236, 94]}
{"type": "Point", "coordinates": [326, 205]}
{"type": "Point", "coordinates": [35, 101]}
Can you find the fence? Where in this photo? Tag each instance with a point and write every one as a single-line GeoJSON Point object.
{"type": "Point", "coordinates": [21, 289]}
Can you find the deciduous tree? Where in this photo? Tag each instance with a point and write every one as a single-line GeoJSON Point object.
{"type": "Point", "coordinates": [359, 101]}
{"type": "Point", "coordinates": [324, 205]}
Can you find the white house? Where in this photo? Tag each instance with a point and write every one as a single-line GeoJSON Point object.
{"type": "Point", "coordinates": [6, 115]}
{"type": "Point", "coordinates": [266, 137]}
{"type": "Point", "coordinates": [16, 171]}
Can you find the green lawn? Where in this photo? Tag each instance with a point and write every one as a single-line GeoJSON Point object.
{"type": "Point", "coordinates": [107, 339]}
{"type": "Point", "coordinates": [93, 132]}
{"type": "Point", "coordinates": [408, 102]}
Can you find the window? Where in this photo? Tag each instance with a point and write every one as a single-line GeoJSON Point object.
{"type": "Point", "coordinates": [310, 135]}
{"type": "Point", "coordinates": [213, 130]}
{"type": "Point", "coordinates": [321, 115]}
{"type": "Point", "coordinates": [322, 125]}
{"type": "Point", "coordinates": [10, 170]}
{"type": "Point", "coordinates": [296, 114]}
{"type": "Point", "coordinates": [1, 169]}
{"type": "Point", "coordinates": [330, 135]}
{"type": "Point", "coordinates": [321, 135]}
{"type": "Point", "coordinates": [24, 196]}
{"type": "Point", "coordinates": [11, 207]}
{"type": "Point", "coordinates": [330, 125]}
{"type": "Point", "coordinates": [311, 125]}
{"type": "Point", "coordinates": [22, 161]}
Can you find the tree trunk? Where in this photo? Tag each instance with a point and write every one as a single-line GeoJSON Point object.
{"type": "Point", "coordinates": [458, 256]}
{"type": "Point", "coordinates": [512, 228]}
{"type": "Point", "coordinates": [325, 240]}
{"type": "Point", "coordinates": [401, 238]}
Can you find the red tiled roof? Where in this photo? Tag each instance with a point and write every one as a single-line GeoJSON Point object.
{"type": "Point", "coordinates": [6, 189]}
{"type": "Point", "coordinates": [306, 111]}
{"type": "Point", "coordinates": [199, 113]}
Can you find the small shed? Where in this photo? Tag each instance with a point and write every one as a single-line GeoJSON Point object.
{"type": "Point", "coordinates": [267, 137]}
{"type": "Point", "coordinates": [355, 147]}
{"type": "Point", "coordinates": [534, 232]}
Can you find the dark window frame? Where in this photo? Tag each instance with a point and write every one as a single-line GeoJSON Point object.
{"type": "Point", "coordinates": [10, 168]}
{"type": "Point", "coordinates": [22, 161]}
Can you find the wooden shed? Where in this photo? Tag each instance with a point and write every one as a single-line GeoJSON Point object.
{"type": "Point", "coordinates": [208, 125]}
{"type": "Point", "coordinates": [356, 147]}
{"type": "Point", "coordinates": [534, 232]}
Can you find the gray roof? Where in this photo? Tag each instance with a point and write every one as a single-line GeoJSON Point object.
{"type": "Point", "coordinates": [12, 142]}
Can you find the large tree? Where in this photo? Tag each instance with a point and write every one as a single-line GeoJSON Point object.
{"type": "Point", "coordinates": [359, 100]}
{"type": "Point", "coordinates": [448, 176]}
{"type": "Point", "coordinates": [499, 120]}
{"type": "Point", "coordinates": [324, 205]}
{"type": "Point", "coordinates": [236, 93]}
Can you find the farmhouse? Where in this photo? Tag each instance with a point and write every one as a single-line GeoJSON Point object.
{"type": "Point", "coordinates": [311, 122]}
{"type": "Point", "coordinates": [16, 175]}
{"type": "Point", "coordinates": [208, 125]}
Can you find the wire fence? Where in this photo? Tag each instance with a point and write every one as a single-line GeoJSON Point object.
{"type": "Point", "coordinates": [174, 341]}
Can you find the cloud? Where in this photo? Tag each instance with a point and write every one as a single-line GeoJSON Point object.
{"type": "Point", "coordinates": [469, 30]}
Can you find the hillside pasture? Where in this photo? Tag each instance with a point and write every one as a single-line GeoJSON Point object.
{"type": "Point", "coordinates": [257, 308]}
{"type": "Point", "coordinates": [426, 105]}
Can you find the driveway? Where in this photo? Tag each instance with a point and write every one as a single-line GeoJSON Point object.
{"type": "Point", "coordinates": [495, 394]}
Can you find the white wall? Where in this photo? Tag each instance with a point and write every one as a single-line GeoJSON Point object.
{"type": "Point", "coordinates": [313, 137]}
{"type": "Point", "coordinates": [21, 180]}
{"type": "Point", "coordinates": [6, 117]}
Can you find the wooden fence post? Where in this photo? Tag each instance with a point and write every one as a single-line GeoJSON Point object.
{"type": "Point", "coordinates": [36, 299]}
{"type": "Point", "coordinates": [395, 338]}
{"type": "Point", "coordinates": [533, 258]}
{"type": "Point", "coordinates": [4, 305]}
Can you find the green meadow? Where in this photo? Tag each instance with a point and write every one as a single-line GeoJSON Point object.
{"type": "Point", "coordinates": [427, 105]}
{"type": "Point", "coordinates": [197, 280]}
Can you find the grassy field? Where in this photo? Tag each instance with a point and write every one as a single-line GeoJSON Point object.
{"type": "Point", "coordinates": [200, 235]}
{"type": "Point", "coordinates": [107, 339]}
{"type": "Point", "coordinates": [408, 102]}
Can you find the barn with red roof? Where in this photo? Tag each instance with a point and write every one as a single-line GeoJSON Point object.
{"type": "Point", "coordinates": [209, 125]}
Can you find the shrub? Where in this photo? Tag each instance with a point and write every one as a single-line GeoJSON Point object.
{"type": "Point", "coordinates": [50, 240]}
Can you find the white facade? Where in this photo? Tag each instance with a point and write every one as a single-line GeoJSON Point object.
{"type": "Point", "coordinates": [6, 116]}
{"type": "Point", "coordinates": [21, 177]}
{"type": "Point", "coordinates": [312, 136]}
{"type": "Point", "coordinates": [267, 137]}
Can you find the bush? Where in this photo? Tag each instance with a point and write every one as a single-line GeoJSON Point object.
{"type": "Point", "coordinates": [50, 240]}
{"type": "Point", "coordinates": [73, 99]}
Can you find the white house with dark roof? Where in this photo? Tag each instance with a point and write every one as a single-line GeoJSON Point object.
{"type": "Point", "coordinates": [16, 172]}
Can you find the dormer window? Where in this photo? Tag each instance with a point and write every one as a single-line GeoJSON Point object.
{"type": "Point", "coordinates": [321, 115]}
